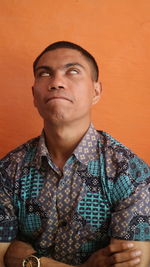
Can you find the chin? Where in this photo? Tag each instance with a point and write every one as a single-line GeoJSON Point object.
{"type": "Point", "coordinates": [57, 119]}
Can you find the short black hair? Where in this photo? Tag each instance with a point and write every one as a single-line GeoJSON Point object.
{"type": "Point", "coordinates": [70, 45]}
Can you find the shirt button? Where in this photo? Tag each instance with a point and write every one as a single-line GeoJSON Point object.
{"type": "Point", "coordinates": [63, 223]}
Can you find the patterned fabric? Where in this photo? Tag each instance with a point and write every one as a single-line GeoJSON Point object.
{"type": "Point", "coordinates": [102, 192]}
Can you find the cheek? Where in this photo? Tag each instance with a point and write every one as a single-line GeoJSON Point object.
{"type": "Point", "coordinates": [39, 89]}
{"type": "Point", "coordinates": [38, 97]}
{"type": "Point", "coordinates": [41, 83]}
{"type": "Point", "coordinates": [86, 92]}
{"type": "Point", "coordinates": [84, 100]}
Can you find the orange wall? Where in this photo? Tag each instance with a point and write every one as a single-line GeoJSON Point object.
{"type": "Point", "coordinates": [116, 32]}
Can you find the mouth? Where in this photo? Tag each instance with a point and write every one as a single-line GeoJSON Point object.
{"type": "Point", "coordinates": [57, 98]}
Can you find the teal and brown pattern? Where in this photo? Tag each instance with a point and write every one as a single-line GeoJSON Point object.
{"type": "Point", "coordinates": [102, 192]}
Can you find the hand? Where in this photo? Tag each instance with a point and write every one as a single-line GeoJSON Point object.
{"type": "Point", "coordinates": [117, 255]}
{"type": "Point", "coordinates": [16, 252]}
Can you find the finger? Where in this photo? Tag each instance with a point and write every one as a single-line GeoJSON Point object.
{"type": "Point", "coordinates": [131, 263]}
{"type": "Point", "coordinates": [125, 256]}
{"type": "Point", "coordinates": [118, 247]}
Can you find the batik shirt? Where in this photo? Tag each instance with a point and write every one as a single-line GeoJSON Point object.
{"type": "Point", "coordinates": [103, 192]}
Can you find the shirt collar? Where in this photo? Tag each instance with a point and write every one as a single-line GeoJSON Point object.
{"type": "Point", "coordinates": [42, 150]}
{"type": "Point", "coordinates": [85, 151]}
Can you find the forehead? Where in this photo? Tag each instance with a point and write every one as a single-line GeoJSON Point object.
{"type": "Point", "coordinates": [62, 56]}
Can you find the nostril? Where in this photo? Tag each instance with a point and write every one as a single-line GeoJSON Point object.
{"type": "Point", "coordinates": [55, 87]}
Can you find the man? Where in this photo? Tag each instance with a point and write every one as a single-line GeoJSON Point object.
{"type": "Point", "coordinates": [73, 196]}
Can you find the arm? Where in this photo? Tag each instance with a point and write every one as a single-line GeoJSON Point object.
{"type": "Point", "coordinates": [119, 254]}
{"type": "Point", "coordinates": [3, 249]}
{"type": "Point", "coordinates": [144, 247]}
{"type": "Point", "coordinates": [47, 262]}
{"type": "Point", "coordinates": [16, 252]}
{"type": "Point", "coordinates": [102, 258]}
{"type": "Point", "coordinates": [19, 250]}
{"type": "Point", "coordinates": [130, 218]}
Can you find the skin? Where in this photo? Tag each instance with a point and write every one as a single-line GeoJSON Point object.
{"type": "Point", "coordinates": [64, 92]}
{"type": "Point", "coordinates": [125, 255]}
{"type": "Point", "coordinates": [67, 114]}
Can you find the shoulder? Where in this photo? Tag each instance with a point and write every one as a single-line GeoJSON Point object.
{"type": "Point", "coordinates": [107, 142]}
{"type": "Point", "coordinates": [123, 170]}
{"type": "Point", "coordinates": [117, 152]}
{"type": "Point", "coordinates": [17, 154]}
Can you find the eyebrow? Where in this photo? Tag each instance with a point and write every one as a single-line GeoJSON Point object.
{"type": "Point", "coordinates": [42, 67]}
{"type": "Point", "coordinates": [65, 66]}
{"type": "Point", "coordinates": [74, 64]}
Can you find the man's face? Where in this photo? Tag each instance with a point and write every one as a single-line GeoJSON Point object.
{"type": "Point", "coordinates": [64, 90]}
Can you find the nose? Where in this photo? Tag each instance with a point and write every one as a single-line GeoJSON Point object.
{"type": "Point", "coordinates": [55, 87]}
{"type": "Point", "coordinates": [57, 82]}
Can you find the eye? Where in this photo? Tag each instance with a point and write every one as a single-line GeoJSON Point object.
{"type": "Point", "coordinates": [73, 71]}
{"type": "Point", "coordinates": [44, 74]}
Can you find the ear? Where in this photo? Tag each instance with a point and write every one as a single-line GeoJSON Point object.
{"type": "Point", "coordinates": [33, 90]}
{"type": "Point", "coordinates": [34, 101]}
{"type": "Point", "coordinates": [97, 92]}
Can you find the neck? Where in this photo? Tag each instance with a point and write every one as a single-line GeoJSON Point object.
{"type": "Point", "coordinates": [62, 140]}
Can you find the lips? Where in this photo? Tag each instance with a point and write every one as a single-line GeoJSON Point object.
{"type": "Point", "coordinates": [58, 97]}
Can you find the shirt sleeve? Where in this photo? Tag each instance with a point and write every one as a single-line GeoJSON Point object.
{"type": "Point", "coordinates": [131, 215]}
{"type": "Point", "coordinates": [8, 219]}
